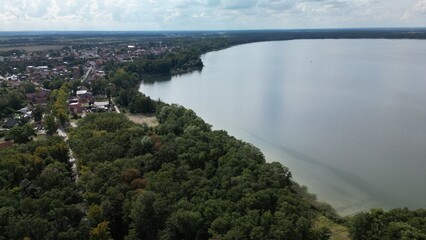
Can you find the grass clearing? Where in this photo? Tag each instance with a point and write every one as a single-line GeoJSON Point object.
{"type": "Point", "coordinates": [338, 232]}
{"type": "Point", "coordinates": [148, 119]}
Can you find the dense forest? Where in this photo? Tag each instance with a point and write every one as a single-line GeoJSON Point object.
{"type": "Point", "coordinates": [184, 181]}
{"type": "Point", "coordinates": [180, 180]}
{"type": "Point", "coordinates": [38, 197]}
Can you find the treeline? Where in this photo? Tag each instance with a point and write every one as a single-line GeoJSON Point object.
{"type": "Point", "coordinates": [166, 64]}
{"type": "Point", "coordinates": [38, 196]}
{"type": "Point", "coordinates": [184, 58]}
{"type": "Point", "coordinates": [124, 89]}
{"type": "Point", "coordinates": [59, 103]}
{"type": "Point", "coordinates": [183, 61]}
{"type": "Point", "coordinates": [182, 180]}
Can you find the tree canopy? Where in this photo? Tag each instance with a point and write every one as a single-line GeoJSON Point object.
{"type": "Point", "coordinates": [21, 134]}
{"type": "Point", "coordinates": [38, 196]}
{"type": "Point", "coordinates": [395, 224]}
{"type": "Point", "coordinates": [183, 181]}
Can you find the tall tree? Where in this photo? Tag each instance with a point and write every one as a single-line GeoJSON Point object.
{"type": "Point", "coordinates": [38, 113]}
{"type": "Point", "coordinates": [50, 124]}
{"type": "Point", "coordinates": [21, 134]}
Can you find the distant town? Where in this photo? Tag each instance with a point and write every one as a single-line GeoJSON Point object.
{"type": "Point", "coordinates": [33, 75]}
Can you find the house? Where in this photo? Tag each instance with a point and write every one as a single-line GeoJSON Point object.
{"type": "Point", "coordinates": [99, 63]}
{"type": "Point", "coordinates": [23, 77]}
{"type": "Point", "coordinates": [10, 123]}
{"type": "Point", "coordinates": [35, 76]}
{"type": "Point", "coordinates": [41, 96]}
{"type": "Point", "coordinates": [30, 69]}
{"type": "Point", "coordinates": [101, 106]}
{"type": "Point", "coordinates": [23, 110]}
{"type": "Point", "coordinates": [29, 114]}
{"type": "Point", "coordinates": [42, 68]}
{"type": "Point", "coordinates": [72, 100]}
{"type": "Point", "coordinates": [81, 92]}
{"type": "Point", "coordinates": [75, 107]}
{"type": "Point", "coordinates": [84, 102]}
{"type": "Point", "coordinates": [75, 72]}
{"type": "Point", "coordinates": [84, 94]}
{"type": "Point", "coordinates": [13, 78]}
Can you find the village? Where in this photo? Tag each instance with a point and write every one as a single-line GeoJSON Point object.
{"type": "Point", "coordinates": [28, 80]}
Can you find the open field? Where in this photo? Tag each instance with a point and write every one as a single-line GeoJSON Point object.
{"type": "Point", "coordinates": [149, 119]}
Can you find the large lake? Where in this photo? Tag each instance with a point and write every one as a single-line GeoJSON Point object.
{"type": "Point", "coordinates": [348, 117]}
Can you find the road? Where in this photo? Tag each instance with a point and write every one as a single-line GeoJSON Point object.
{"type": "Point", "coordinates": [87, 74]}
{"type": "Point", "coordinates": [115, 106]}
{"type": "Point", "coordinates": [72, 159]}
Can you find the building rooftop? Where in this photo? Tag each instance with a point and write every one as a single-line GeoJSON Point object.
{"type": "Point", "coordinates": [81, 92]}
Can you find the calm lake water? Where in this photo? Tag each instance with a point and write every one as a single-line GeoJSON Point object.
{"type": "Point", "coordinates": [348, 117]}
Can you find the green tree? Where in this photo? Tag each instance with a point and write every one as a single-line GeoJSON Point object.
{"type": "Point", "coordinates": [28, 87]}
{"type": "Point", "coordinates": [101, 232]}
{"type": "Point", "coordinates": [50, 124]}
{"type": "Point", "coordinates": [59, 107]}
{"type": "Point", "coordinates": [404, 231]}
{"type": "Point", "coordinates": [38, 113]}
{"type": "Point", "coordinates": [15, 100]}
{"type": "Point", "coordinates": [146, 215]}
{"type": "Point", "coordinates": [395, 224]}
{"type": "Point", "coordinates": [21, 134]}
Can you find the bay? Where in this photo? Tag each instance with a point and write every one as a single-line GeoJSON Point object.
{"type": "Point", "coordinates": [348, 117]}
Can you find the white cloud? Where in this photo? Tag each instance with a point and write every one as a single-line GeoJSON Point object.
{"type": "Point", "coordinates": [416, 13]}
{"type": "Point", "coordinates": [420, 6]}
{"type": "Point", "coordinates": [207, 14]}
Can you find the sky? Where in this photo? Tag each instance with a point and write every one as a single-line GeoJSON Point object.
{"type": "Point", "coordinates": [140, 15]}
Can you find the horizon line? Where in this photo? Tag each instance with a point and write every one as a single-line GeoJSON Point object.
{"type": "Point", "coordinates": [221, 30]}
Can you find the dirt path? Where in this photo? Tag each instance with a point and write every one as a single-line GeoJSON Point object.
{"type": "Point", "coordinates": [115, 105]}
{"type": "Point", "coordinates": [72, 159]}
